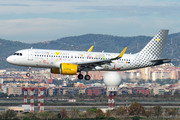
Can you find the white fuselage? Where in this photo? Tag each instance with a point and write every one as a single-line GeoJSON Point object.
{"type": "Point", "coordinates": [45, 58]}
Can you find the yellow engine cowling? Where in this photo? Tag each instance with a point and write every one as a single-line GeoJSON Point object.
{"type": "Point", "coordinates": [68, 69]}
{"type": "Point", "coordinates": [65, 69]}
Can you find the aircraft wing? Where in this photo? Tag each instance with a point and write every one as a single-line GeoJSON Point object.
{"type": "Point", "coordinates": [92, 64]}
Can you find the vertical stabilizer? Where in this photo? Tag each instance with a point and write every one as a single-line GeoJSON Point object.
{"type": "Point", "coordinates": [153, 50]}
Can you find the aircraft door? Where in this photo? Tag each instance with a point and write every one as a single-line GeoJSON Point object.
{"type": "Point", "coordinates": [30, 55]}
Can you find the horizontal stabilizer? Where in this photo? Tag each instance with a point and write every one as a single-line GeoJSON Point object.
{"type": "Point", "coordinates": [165, 60]}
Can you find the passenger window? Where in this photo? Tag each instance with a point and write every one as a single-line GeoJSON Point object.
{"type": "Point", "coordinates": [35, 55]}
{"type": "Point", "coordinates": [20, 54]}
{"type": "Point", "coordinates": [71, 56]}
{"type": "Point", "coordinates": [44, 55]}
{"type": "Point", "coordinates": [65, 56]}
{"type": "Point", "coordinates": [17, 53]}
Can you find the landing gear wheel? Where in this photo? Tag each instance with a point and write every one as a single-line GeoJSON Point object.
{"type": "Point", "coordinates": [87, 77]}
{"type": "Point", "coordinates": [27, 74]}
{"type": "Point", "coordinates": [80, 76]}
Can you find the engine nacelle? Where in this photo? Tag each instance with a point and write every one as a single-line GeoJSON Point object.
{"type": "Point", "coordinates": [65, 69]}
{"type": "Point", "coordinates": [55, 71]}
{"type": "Point", "coordinates": [68, 69]}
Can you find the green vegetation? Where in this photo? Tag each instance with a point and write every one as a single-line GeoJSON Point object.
{"type": "Point", "coordinates": [107, 43]}
{"type": "Point", "coordinates": [94, 110]}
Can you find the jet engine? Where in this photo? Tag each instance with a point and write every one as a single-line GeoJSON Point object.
{"type": "Point", "coordinates": [65, 69]}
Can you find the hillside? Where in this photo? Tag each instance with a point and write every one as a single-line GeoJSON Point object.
{"type": "Point", "coordinates": [107, 43]}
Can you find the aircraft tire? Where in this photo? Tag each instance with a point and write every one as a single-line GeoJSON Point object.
{"type": "Point", "coordinates": [80, 76]}
{"type": "Point", "coordinates": [87, 77]}
{"type": "Point", "coordinates": [27, 74]}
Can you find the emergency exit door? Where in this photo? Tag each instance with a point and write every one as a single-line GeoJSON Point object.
{"type": "Point", "coordinates": [30, 55]}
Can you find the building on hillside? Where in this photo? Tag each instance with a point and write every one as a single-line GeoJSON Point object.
{"type": "Point", "coordinates": [50, 81]}
{"type": "Point", "coordinates": [135, 89]}
{"type": "Point", "coordinates": [174, 75]}
{"type": "Point", "coordinates": [124, 90]}
{"type": "Point", "coordinates": [146, 73]}
{"type": "Point", "coordinates": [158, 90]}
{"type": "Point", "coordinates": [14, 90]}
{"type": "Point", "coordinates": [70, 90]}
{"type": "Point", "coordinates": [95, 90]}
{"type": "Point", "coordinates": [81, 91]}
{"type": "Point", "coordinates": [144, 92]}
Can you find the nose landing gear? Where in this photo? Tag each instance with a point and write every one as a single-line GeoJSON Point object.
{"type": "Point", "coordinates": [29, 72]}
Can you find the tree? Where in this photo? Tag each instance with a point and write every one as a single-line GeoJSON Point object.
{"type": "Point", "coordinates": [108, 114]}
{"type": "Point", "coordinates": [63, 113]}
{"type": "Point", "coordinates": [90, 114]}
{"type": "Point", "coordinates": [167, 112]}
{"type": "Point", "coordinates": [173, 112]}
{"type": "Point", "coordinates": [74, 113]}
{"type": "Point", "coordinates": [93, 109]}
{"type": "Point", "coordinates": [99, 113]}
{"type": "Point", "coordinates": [136, 109]}
{"type": "Point", "coordinates": [26, 118]}
{"type": "Point", "coordinates": [158, 111]}
{"type": "Point", "coordinates": [31, 115]}
{"type": "Point", "coordinates": [147, 114]}
{"type": "Point", "coordinates": [9, 114]}
{"type": "Point", "coordinates": [120, 110]}
{"type": "Point", "coordinates": [44, 115]}
{"type": "Point", "coordinates": [136, 118]}
{"type": "Point", "coordinates": [52, 115]}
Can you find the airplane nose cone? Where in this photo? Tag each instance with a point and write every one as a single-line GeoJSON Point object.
{"type": "Point", "coordinates": [9, 59]}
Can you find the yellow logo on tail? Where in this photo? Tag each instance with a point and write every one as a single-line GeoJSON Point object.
{"type": "Point", "coordinates": [57, 53]}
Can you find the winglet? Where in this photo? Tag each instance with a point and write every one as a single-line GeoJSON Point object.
{"type": "Point", "coordinates": [90, 49]}
{"type": "Point", "coordinates": [122, 53]}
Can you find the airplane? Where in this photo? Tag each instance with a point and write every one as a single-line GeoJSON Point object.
{"type": "Point", "coordinates": [71, 62]}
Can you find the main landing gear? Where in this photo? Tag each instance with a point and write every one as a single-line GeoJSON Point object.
{"type": "Point", "coordinates": [86, 77]}
{"type": "Point", "coordinates": [29, 71]}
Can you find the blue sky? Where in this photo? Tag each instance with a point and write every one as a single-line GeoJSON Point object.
{"type": "Point", "coordinates": [44, 20]}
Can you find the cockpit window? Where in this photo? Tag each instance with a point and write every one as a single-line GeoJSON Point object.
{"type": "Point", "coordinates": [19, 54]}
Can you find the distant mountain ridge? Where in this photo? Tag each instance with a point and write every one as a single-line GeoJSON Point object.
{"type": "Point", "coordinates": [108, 43]}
